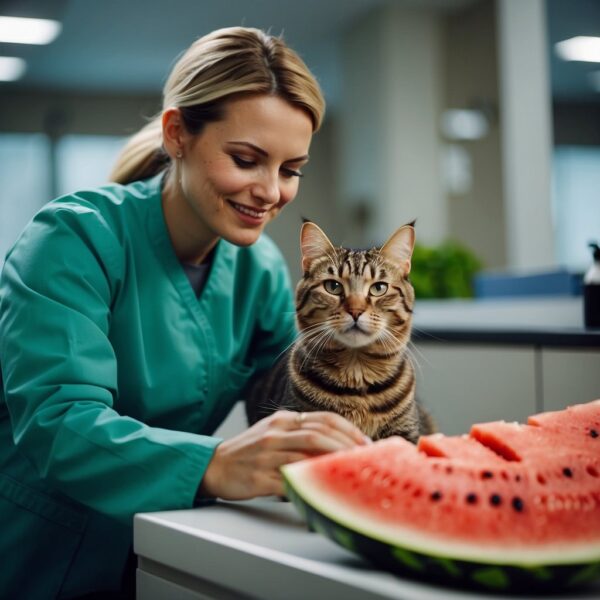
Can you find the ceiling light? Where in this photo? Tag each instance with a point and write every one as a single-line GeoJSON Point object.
{"type": "Point", "coordinates": [19, 30]}
{"type": "Point", "coordinates": [581, 47]}
{"type": "Point", "coordinates": [11, 68]}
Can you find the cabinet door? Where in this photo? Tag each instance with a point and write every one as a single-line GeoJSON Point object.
{"type": "Point", "coordinates": [569, 377]}
{"type": "Point", "coordinates": [463, 384]}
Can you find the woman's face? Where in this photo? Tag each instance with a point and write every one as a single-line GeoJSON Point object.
{"type": "Point", "coordinates": [237, 174]}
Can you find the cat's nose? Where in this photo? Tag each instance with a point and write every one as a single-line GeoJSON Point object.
{"type": "Point", "coordinates": [355, 313]}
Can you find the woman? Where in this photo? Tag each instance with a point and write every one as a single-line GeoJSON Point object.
{"type": "Point", "coordinates": [132, 316]}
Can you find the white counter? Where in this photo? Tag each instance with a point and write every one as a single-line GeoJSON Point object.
{"type": "Point", "coordinates": [262, 549]}
{"type": "Point", "coordinates": [553, 321]}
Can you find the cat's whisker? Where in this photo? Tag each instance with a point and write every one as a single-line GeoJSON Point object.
{"type": "Point", "coordinates": [286, 349]}
{"type": "Point", "coordinates": [427, 334]}
{"type": "Point", "coordinates": [388, 341]}
{"type": "Point", "coordinates": [310, 337]}
{"type": "Point", "coordinates": [324, 340]}
{"type": "Point", "coordinates": [311, 328]}
{"type": "Point", "coordinates": [416, 350]}
{"type": "Point", "coordinates": [319, 340]}
{"type": "Point", "coordinates": [272, 404]}
{"type": "Point", "coordinates": [315, 343]}
{"type": "Point", "coordinates": [416, 365]}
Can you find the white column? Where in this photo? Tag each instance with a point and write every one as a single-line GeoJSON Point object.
{"type": "Point", "coordinates": [525, 119]}
{"type": "Point", "coordinates": [412, 185]}
{"type": "Point", "coordinates": [389, 143]}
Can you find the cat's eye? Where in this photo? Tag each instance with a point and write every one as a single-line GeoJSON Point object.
{"type": "Point", "coordinates": [333, 287]}
{"type": "Point", "coordinates": [378, 289]}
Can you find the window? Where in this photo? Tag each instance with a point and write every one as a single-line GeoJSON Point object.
{"type": "Point", "coordinates": [26, 177]}
{"type": "Point", "coordinates": [576, 200]}
{"type": "Point", "coordinates": [85, 161]}
{"type": "Point", "coordinates": [25, 183]}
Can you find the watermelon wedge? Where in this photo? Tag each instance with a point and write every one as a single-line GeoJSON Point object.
{"type": "Point", "coordinates": [581, 421]}
{"type": "Point", "coordinates": [507, 507]}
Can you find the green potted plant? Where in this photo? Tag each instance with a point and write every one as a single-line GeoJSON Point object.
{"type": "Point", "coordinates": [444, 271]}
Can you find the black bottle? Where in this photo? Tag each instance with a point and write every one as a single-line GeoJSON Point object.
{"type": "Point", "coordinates": [591, 291]}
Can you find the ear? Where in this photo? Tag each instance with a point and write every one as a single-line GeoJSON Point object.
{"type": "Point", "coordinates": [399, 248]}
{"type": "Point", "coordinates": [173, 131]}
{"type": "Point", "coordinates": [313, 244]}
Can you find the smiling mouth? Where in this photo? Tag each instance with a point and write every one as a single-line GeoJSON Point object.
{"type": "Point", "coordinates": [251, 212]}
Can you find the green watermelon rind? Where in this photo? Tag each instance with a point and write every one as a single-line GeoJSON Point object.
{"type": "Point", "coordinates": [449, 570]}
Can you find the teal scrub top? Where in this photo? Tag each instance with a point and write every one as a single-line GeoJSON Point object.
{"type": "Point", "coordinates": [114, 377]}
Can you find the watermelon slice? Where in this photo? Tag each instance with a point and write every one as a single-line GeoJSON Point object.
{"type": "Point", "coordinates": [455, 509]}
{"type": "Point", "coordinates": [514, 441]}
{"type": "Point", "coordinates": [581, 421]}
{"type": "Point", "coordinates": [459, 446]}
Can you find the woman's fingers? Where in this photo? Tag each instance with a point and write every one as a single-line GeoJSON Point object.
{"type": "Point", "coordinates": [337, 430]}
{"type": "Point", "coordinates": [248, 465]}
{"type": "Point", "coordinates": [341, 424]}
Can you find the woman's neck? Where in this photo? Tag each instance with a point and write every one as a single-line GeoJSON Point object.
{"type": "Point", "coordinates": [191, 240]}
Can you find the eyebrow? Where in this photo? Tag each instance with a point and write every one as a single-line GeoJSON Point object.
{"type": "Point", "coordinates": [264, 153]}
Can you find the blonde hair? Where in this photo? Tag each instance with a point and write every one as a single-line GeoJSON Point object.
{"type": "Point", "coordinates": [225, 63]}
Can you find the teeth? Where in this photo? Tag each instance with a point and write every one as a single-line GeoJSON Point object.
{"type": "Point", "coordinates": [248, 211]}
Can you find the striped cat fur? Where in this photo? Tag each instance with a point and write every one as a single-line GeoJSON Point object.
{"type": "Point", "coordinates": [354, 313]}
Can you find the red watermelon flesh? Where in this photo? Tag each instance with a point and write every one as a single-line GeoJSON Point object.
{"type": "Point", "coordinates": [581, 421]}
{"type": "Point", "coordinates": [517, 442]}
{"type": "Point", "coordinates": [457, 446]}
{"type": "Point", "coordinates": [477, 509]}
{"type": "Point", "coordinates": [453, 497]}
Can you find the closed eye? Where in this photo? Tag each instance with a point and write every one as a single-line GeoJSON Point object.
{"type": "Point", "coordinates": [249, 164]}
{"type": "Point", "coordinates": [242, 162]}
{"type": "Point", "coordinates": [291, 172]}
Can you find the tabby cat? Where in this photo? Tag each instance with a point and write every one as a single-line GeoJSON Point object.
{"type": "Point", "coordinates": [354, 312]}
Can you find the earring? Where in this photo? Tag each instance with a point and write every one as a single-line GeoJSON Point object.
{"type": "Point", "coordinates": [179, 154]}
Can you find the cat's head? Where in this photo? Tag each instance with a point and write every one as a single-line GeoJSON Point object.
{"type": "Point", "coordinates": [356, 298]}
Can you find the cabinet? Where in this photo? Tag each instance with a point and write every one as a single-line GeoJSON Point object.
{"type": "Point", "coordinates": [569, 376]}
{"type": "Point", "coordinates": [469, 383]}
{"type": "Point", "coordinates": [464, 384]}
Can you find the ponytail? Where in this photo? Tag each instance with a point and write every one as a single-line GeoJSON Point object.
{"type": "Point", "coordinates": [143, 155]}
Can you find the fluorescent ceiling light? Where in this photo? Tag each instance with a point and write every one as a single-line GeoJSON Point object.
{"type": "Point", "coordinates": [11, 68]}
{"type": "Point", "coordinates": [19, 30]}
{"type": "Point", "coordinates": [584, 48]}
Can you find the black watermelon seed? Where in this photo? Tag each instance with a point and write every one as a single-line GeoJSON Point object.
{"type": "Point", "coordinates": [436, 496]}
{"type": "Point", "coordinates": [517, 478]}
{"type": "Point", "coordinates": [487, 475]}
{"type": "Point", "coordinates": [517, 504]}
{"type": "Point", "coordinates": [567, 472]}
{"type": "Point", "coordinates": [472, 498]}
{"type": "Point", "coordinates": [495, 500]}
{"type": "Point", "coordinates": [594, 433]}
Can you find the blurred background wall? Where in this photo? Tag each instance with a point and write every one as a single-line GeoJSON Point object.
{"type": "Point", "coordinates": [459, 113]}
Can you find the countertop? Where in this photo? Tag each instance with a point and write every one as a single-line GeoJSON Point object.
{"type": "Point", "coordinates": [554, 321]}
{"type": "Point", "coordinates": [263, 549]}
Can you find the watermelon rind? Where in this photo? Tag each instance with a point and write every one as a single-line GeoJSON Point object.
{"type": "Point", "coordinates": [409, 554]}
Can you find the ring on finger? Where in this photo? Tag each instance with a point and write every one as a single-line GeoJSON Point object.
{"type": "Point", "coordinates": [300, 418]}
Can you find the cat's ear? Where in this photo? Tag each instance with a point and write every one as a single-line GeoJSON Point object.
{"type": "Point", "coordinates": [313, 244]}
{"type": "Point", "coordinates": [399, 248]}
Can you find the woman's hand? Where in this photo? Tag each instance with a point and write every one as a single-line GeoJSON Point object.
{"type": "Point", "coordinates": [248, 465]}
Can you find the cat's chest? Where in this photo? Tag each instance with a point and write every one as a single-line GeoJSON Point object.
{"type": "Point", "coordinates": [360, 375]}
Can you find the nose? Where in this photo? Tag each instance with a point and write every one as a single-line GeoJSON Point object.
{"type": "Point", "coordinates": [355, 306]}
{"type": "Point", "coordinates": [355, 313]}
{"type": "Point", "coordinates": [266, 189]}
